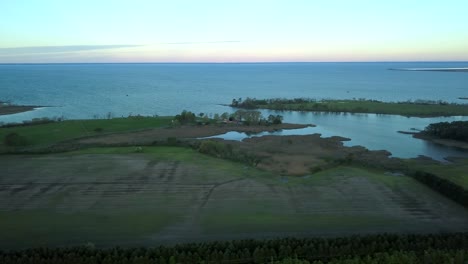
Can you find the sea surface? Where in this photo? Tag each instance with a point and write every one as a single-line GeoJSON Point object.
{"type": "Point", "coordinates": [79, 91]}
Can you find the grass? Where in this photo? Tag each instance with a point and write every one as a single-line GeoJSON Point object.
{"type": "Point", "coordinates": [181, 154]}
{"type": "Point", "coordinates": [327, 176]}
{"type": "Point", "coordinates": [34, 228]}
{"type": "Point", "coordinates": [340, 199]}
{"type": "Point", "coordinates": [274, 222]}
{"type": "Point", "coordinates": [456, 172]}
{"type": "Point", "coordinates": [132, 196]}
{"type": "Point", "coordinates": [44, 134]}
{"type": "Point", "coordinates": [371, 106]}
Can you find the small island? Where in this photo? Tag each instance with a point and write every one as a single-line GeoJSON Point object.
{"type": "Point", "coordinates": [7, 108]}
{"type": "Point", "coordinates": [417, 108]}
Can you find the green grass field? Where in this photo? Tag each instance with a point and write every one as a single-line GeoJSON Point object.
{"type": "Point", "coordinates": [44, 134]}
{"type": "Point", "coordinates": [129, 196]}
{"type": "Point", "coordinates": [456, 172]}
{"type": "Point", "coordinates": [44, 227]}
{"type": "Point", "coordinates": [368, 106]}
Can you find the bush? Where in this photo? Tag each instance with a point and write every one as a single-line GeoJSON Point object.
{"type": "Point", "coordinates": [138, 149]}
{"type": "Point", "coordinates": [172, 141]}
{"type": "Point", "coordinates": [212, 148]}
{"type": "Point", "coordinates": [226, 151]}
{"type": "Point", "coordinates": [457, 130]}
{"type": "Point", "coordinates": [185, 117]}
{"type": "Point", "coordinates": [276, 120]}
{"type": "Point", "coordinates": [13, 139]}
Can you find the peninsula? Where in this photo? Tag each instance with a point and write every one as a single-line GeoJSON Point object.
{"type": "Point", "coordinates": [417, 108]}
{"type": "Point", "coordinates": [7, 108]}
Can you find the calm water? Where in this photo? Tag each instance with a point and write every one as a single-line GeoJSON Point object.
{"type": "Point", "coordinates": [88, 90]}
{"type": "Point", "coordinates": [376, 132]}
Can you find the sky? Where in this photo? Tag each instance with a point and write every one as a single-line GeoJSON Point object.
{"type": "Point", "coordinates": [56, 31]}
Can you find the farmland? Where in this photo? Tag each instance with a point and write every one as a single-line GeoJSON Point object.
{"type": "Point", "coordinates": [157, 195]}
{"type": "Point", "coordinates": [53, 132]}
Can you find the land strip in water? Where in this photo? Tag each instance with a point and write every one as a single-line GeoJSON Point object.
{"type": "Point", "coordinates": [8, 109]}
{"type": "Point", "coordinates": [418, 108]}
{"type": "Point", "coordinates": [442, 141]}
{"type": "Point", "coordinates": [432, 69]}
{"type": "Point", "coordinates": [451, 134]}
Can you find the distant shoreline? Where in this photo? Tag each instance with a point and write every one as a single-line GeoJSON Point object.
{"type": "Point", "coordinates": [431, 69]}
{"type": "Point", "coordinates": [418, 108]}
{"type": "Point", "coordinates": [442, 141]}
{"type": "Point", "coordinates": [8, 109]}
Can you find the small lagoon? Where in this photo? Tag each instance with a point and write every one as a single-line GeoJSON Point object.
{"type": "Point", "coordinates": [375, 132]}
{"type": "Point", "coordinates": [239, 136]}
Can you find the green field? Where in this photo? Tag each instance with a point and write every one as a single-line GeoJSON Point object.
{"type": "Point", "coordinates": [157, 195]}
{"type": "Point", "coordinates": [455, 172]}
{"type": "Point", "coordinates": [362, 106]}
{"type": "Point", "coordinates": [44, 134]}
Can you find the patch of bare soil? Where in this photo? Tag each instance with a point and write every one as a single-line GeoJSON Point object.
{"type": "Point", "coordinates": [182, 132]}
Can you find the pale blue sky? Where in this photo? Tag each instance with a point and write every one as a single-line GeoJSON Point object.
{"type": "Point", "coordinates": [232, 31]}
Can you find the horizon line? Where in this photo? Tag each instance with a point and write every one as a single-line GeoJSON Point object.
{"type": "Point", "coordinates": [241, 62]}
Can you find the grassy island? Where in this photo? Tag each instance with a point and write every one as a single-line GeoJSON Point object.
{"type": "Point", "coordinates": [420, 108]}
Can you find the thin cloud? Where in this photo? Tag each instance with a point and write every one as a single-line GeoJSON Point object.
{"type": "Point", "coordinates": [202, 42]}
{"type": "Point", "coordinates": [24, 51]}
{"type": "Point", "coordinates": [58, 49]}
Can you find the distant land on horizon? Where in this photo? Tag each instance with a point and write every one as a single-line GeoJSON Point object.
{"type": "Point", "coordinates": [464, 69]}
{"type": "Point", "coordinates": [266, 62]}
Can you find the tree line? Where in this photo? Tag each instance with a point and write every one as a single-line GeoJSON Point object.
{"type": "Point", "coordinates": [445, 187]}
{"type": "Point", "coordinates": [254, 102]}
{"type": "Point", "coordinates": [383, 248]}
{"type": "Point", "coordinates": [246, 117]}
{"type": "Point", "coordinates": [456, 130]}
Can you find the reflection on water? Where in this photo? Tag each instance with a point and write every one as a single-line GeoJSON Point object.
{"type": "Point", "coordinates": [239, 136]}
{"type": "Point", "coordinates": [375, 132]}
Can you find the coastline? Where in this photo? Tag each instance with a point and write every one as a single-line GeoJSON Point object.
{"type": "Point", "coordinates": [15, 109]}
{"type": "Point", "coordinates": [440, 141]}
{"type": "Point", "coordinates": [418, 108]}
{"type": "Point", "coordinates": [431, 69]}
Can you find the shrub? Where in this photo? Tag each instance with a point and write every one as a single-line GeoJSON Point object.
{"type": "Point", "coordinates": [138, 149]}
{"type": "Point", "coordinates": [185, 117]}
{"type": "Point", "coordinates": [172, 141]}
{"type": "Point", "coordinates": [226, 151]}
{"type": "Point", "coordinates": [276, 120]}
{"type": "Point", "coordinates": [13, 139]}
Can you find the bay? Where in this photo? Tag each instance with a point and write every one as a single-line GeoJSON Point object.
{"type": "Point", "coordinates": [80, 91]}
